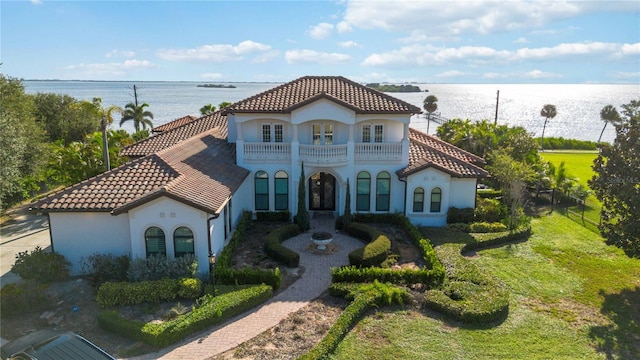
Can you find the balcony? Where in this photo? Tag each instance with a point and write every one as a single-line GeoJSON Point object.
{"type": "Point", "coordinates": [322, 155]}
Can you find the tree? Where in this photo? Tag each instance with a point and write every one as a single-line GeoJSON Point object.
{"type": "Point", "coordinates": [65, 118]}
{"type": "Point", "coordinates": [207, 109]}
{"type": "Point", "coordinates": [223, 105]}
{"type": "Point", "coordinates": [138, 115]}
{"type": "Point", "coordinates": [347, 217]}
{"type": "Point", "coordinates": [430, 105]}
{"type": "Point", "coordinates": [617, 182]}
{"type": "Point", "coordinates": [548, 112]}
{"type": "Point", "coordinates": [608, 114]}
{"type": "Point", "coordinates": [302, 217]}
{"type": "Point", "coordinates": [106, 119]}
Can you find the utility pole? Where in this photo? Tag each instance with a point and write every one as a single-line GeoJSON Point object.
{"type": "Point", "coordinates": [495, 122]}
{"type": "Point", "coordinates": [135, 95]}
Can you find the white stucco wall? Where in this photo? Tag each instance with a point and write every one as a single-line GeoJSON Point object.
{"type": "Point", "coordinates": [79, 235]}
{"type": "Point", "coordinates": [168, 215]}
{"type": "Point", "coordinates": [463, 193]}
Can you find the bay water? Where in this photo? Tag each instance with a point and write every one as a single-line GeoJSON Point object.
{"type": "Point", "coordinates": [578, 105]}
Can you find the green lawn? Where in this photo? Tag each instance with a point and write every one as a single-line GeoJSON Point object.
{"type": "Point", "coordinates": [572, 297]}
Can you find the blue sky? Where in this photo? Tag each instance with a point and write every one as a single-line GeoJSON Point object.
{"type": "Point", "coordinates": [372, 41]}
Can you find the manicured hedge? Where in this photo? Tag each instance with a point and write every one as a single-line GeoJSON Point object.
{"type": "Point", "coordinates": [355, 274]}
{"type": "Point", "coordinates": [498, 239]}
{"type": "Point", "coordinates": [271, 277]}
{"type": "Point", "coordinates": [455, 215]}
{"type": "Point", "coordinates": [372, 254]}
{"type": "Point", "coordinates": [126, 293]}
{"type": "Point", "coordinates": [487, 227]}
{"type": "Point", "coordinates": [212, 311]}
{"type": "Point", "coordinates": [489, 194]}
{"type": "Point", "coordinates": [275, 250]}
{"type": "Point", "coordinates": [470, 295]}
{"type": "Point", "coordinates": [278, 216]}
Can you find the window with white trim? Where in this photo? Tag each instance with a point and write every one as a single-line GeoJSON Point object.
{"type": "Point", "coordinates": [418, 200]}
{"type": "Point", "coordinates": [272, 133]}
{"type": "Point", "coordinates": [363, 191]}
{"type": "Point", "coordinates": [261, 185]}
{"type": "Point", "coordinates": [281, 180]}
{"type": "Point", "coordinates": [154, 242]}
{"type": "Point", "coordinates": [183, 241]}
{"type": "Point", "coordinates": [372, 133]}
{"type": "Point", "coordinates": [436, 200]}
{"type": "Point", "coordinates": [322, 134]}
{"type": "Point", "coordinates": [383, 190]}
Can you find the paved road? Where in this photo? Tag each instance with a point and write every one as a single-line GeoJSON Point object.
{"type": "Point", "coordinates": [23, 232]}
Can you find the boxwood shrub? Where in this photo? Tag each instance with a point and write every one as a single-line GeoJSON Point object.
{"type": "Point", "coordinates": [212, 311]}
{"type": "Point", "coordinates": [455, 215]}
{"type": "Point", "coordinates": [271, 277]}
{"type": "Point", "coordinates": [353, 274]}
{"type": "Point", "coordinates": [372, 254]}
{"type": "Point", "coordinates": [487, 227]}
{"type": "Point", "coordinates": [275, 250]}
{"type": "Point", "coordinates": [126, 293]}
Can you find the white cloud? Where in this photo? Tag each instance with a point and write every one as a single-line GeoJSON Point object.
{"type": "Point", "coordinates": [120, 53]}
{"type": "Point", "coordinates": [520, 40]}
{"type": "Point", "coordinates": [110, 69]}
{"type": "Point", "coordinates": [538, 74]}
{"type": "Point", "coordinates": [315, 57]}
{"type": "Point", "coordinates": [343, 27]}
{"type": "Point", "coordinates": [493, 75]}
{"type": "Point", "coordinates": [265, 57]}
{"type": "Point", "coordinates": [348, 44]}
{"type": "Point", "coordinates": [420, 55]}
{"type": "Point", "coordinates": [320, 31]}
{"type": "Point", "coordinates": [214, 53]}
{"type": "Point", "coordinates": [211, 76]}
{"type": "Point", "coordinates": [456, 17]}
{"type": "Point", "coordinates": [450, 74]}
{"type": "Point", "coordinates": [36, 2]}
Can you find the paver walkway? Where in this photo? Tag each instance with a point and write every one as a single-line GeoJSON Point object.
{"type": "Point", "coordinates": [314, 280]}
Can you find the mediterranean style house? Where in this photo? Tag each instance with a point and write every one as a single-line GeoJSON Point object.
{"type": "Point", "coordinates": [185, 187]}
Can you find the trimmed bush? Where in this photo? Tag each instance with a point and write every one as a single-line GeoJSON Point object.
{"type": "Point", "coordinates": [21, 298]}
{"type": "Point", "coordinates": [485, 227]}
{"type": "Point", "coordinates": [455, 215]}
{"type": "Point", "coordinates": [489, 194]}
{"type": "Point", "coordinates": [211, 311]}
{"type": "Point", "coordinates": [274, 216]}
{"type": "Point", "coordinates": [106, 267]}
{"type": "Point", "coordinates": [352, 274]}
{"type": "Point", "coordinates": [248, 276]}
{"type": "Point", "coordinates": [41, 266]}
{"type": "Point", "coordinates": [503, 238]}
{"type": "Point", "coordinates": [275, 250]}
{"type": "Point", "coordinates": [375, 252]}
{"type": "Point", "coordinates": [459, 227]}
{"type": "Point", "coordinates": [489, 210]}
{"type": "Point", "coordinates": [125, 293]}
{"type": "Point", "coordinates": [158, 267]}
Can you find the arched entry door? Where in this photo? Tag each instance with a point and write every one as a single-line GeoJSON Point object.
{"type": "Point", "coordinates": [322, 195]}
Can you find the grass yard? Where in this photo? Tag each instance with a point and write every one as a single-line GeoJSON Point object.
{"type": "Point", "coordinates": [572, 297]}
{"type": "Point", "coordinates": [578, 164]}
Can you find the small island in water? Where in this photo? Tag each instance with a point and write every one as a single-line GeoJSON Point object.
{"type": "Point", "coordinates": [395, 88]}
{"type": "Point", "coordinates": [219, 86]}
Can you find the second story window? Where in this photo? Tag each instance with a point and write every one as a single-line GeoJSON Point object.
{"type": "Point", "coordinates": [322, 134]}
{"type": "Point", "coordinates": [272, 132]}
{"type": "Point", "coordinates": [372, 133]}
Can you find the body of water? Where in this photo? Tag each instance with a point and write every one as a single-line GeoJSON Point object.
{"type": "Point", "coordinates": [578, 105]}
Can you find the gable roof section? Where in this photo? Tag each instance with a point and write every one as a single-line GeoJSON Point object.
{"type": "Point", "coordinates": [174, 135]}
{"type": "Point", "coordinates": [199, 172]}
{"type": "Point", "coordinates": [174, 124]}
{"type": "Point", "coordinates": [426, 151]}
{"type": "Point", "coordinates": [299, 92]}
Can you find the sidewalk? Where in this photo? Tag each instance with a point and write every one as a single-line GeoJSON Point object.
{"type": "Point", "coordinates": [314, 280]}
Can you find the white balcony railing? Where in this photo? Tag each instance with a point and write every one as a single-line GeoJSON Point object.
{"type": "Point", "coordinates": [323, 154]}
{"type": "Point", "coordinates": [378, 151]}
{"type": "Point", "coordinates": [267, 151]}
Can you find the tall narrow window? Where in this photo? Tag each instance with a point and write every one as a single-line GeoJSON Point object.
{"type": "Point", "coordinates": [155, 242]}
{"type": "Point", "coordinates": [366, 133]}
{"type": "Point", "coordinates": [282, 190]}
{"type": "Point", "coordinates": [317, 134]}
{"type": "Point", "coordinates": [261, 182]}
{"type": "Point", "coordinates": [436, 199]}
{"type": "Point", "coordinates": [328, 134]}
{"type": "Point", "coordinates": [266, 133]}
{"type": "Point", "coordinates": [279, 133]}
{"type": "Point", "coordinates": [418, 200]}
{"type": "Point", "coordinates": [377, 134]}
{"type": "Point", "coordinates": [363, 191]}
{"type": "Point", "coordinates": [183, 241]}
{"type": "Point", "coordinates": [383, 187]}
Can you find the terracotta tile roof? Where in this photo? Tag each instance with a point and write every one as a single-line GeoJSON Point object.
{"type": "Point", "coordinates": [177, 134]}
{"type": "Point", "coordinates": [174, 124]}
{"type": "Point", "coordinates": [426, 151]}
{"type": "Point", "coordinates": [299, 92]}
{"type": "Point", "coordinates": [200, 172]}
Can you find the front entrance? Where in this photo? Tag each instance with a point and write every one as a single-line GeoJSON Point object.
{"type": "Point", "coordinates": [322, 195]}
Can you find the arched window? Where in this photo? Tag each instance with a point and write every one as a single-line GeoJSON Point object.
{"type": "Point", "coordinates": [154, 241]}
{"type": "Point", "coordinates": [282, 190]}
{"type": "Point", "coordinates": [363, 191]}
{"type": "Point", "coordinates": [262, 190]}
{"type": "Point", "coordinates": [418, 200]}
{"type": "Point", "coordinates": [436, 199]}
{"type": "Point", "coordinates": [383, 188]}
{"type": "Point", "coordinates": [183, 241]}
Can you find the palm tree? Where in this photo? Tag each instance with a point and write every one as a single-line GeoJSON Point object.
{"type": "Point", "coordinates": [138, 114]}
{"type": "Point", "coordinates": [548, 112]}
{"type": "Point", "coordinates": [223, 105]}
{"type": "Point", "coordinates": [608, 114]}
{"type": "Point", "coordinates": [207, 109]}
{"type": "Point", "coordinates": [106, 119]}
{"type": "Point", "coordinates": [430, 105]}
